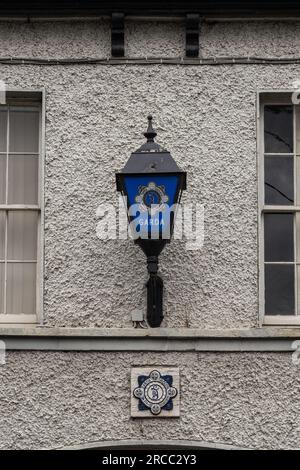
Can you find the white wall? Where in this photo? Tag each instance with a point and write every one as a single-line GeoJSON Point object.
{"type": "Point", "coordinates": [94, 118]}
{"type": "Point", "coordinates": [51, 400]}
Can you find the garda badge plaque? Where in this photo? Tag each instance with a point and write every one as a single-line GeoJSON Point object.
{"type": "Point", "coordinates": [152, 197]}
{"type": "Point", "coordinates": [155, 392]}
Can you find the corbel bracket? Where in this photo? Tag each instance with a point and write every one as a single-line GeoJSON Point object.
{"type": "Point", "coordinates": [192, 35]}
{"type": "Point", "coordinates": [117, 35]}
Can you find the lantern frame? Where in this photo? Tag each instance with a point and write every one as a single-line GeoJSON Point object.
{"type": "Point", "coordinates": [152, 160]}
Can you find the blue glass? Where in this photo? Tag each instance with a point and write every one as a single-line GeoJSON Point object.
{"type": "Point", "coordinates": [149, 200]}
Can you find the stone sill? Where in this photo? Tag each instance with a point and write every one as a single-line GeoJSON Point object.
{"type": "Point", "coordinates": [265, 332]}
{"type": "Point", "coordinates": [41, 338]}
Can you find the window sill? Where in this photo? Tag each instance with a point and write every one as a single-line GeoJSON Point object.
{"type": "Point", "coordinates": [263, 332]}
{"type": "Point", "coordinates": [271, 339]}
{"type": "Point", "coordinates": [282, 320]}
{"type": "Point", "coordinates": [17, 319]}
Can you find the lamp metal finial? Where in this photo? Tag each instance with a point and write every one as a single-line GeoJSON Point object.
{"type": "Point", "coordinates": [150, 134]}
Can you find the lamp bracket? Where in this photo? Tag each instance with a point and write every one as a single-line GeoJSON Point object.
{"type": "Point", "coordinates": [154, 293]}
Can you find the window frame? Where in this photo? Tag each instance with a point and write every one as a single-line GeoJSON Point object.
{"type": "Point", "coordinates": [264, 98]}
{"type": "Point", "coordinates": [36, 97]}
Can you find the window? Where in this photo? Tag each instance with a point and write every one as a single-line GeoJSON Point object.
{"type": "Point", "coordinates": [280, 209]}
{"type": "Point", "coordinates": [20, 210]}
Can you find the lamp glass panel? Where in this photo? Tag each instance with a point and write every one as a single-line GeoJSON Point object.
{"type": "Point", "coordinates": [150, 200]}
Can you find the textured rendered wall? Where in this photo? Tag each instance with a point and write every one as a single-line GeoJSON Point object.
{"type": "Point", "coordinates": [94, 118]}
{"type": "Point", "coordinates": [49, 399]}
{"type": "Point", "coordinates": [260, 39]}
{"type": "Point", "coordinates": [206, 118]}
{"type": "Point", "coordinates": [152, 39]}
{"type": "Point", "coordinates": [57, 40]}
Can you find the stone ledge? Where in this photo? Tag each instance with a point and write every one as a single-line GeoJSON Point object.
{"type": "Point", "coordinates": [156, 340]}
{"type": "Point", "coordinates": [266, 332]}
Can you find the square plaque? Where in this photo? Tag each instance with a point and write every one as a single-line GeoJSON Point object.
{"type": "Point", "coordinates": [155, 392]}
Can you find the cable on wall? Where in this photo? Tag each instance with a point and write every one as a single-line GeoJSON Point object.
{"type": "Point", "coordinates": [152, 61]}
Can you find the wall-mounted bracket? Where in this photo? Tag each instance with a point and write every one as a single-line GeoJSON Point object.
{"type": "Point", "coordinates": [117, 35]}
{"type": "Point", "coordinates": [192, 35]}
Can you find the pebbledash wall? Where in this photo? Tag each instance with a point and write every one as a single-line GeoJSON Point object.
{"type": "Point", "coordinates": [206, 117]}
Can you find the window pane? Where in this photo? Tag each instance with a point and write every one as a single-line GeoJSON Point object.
{"type": "Point", "coordinates": [23, 131]}
{"type": "Point", "coordinates": [297, 180]}
{"type": "Point", "coordinates": [297, 220]}
{"type": "Point", "coordinates": [279, 289]}
{"type": "Point", "coordinates": [298, 290]}
{"type": "Point", "coordinates": [279, 237]}
{"type": "Point", "coordinates": [22, 235]}
{"type": "Point", "coordinates": [279, 180]}
{"type": "Point", "coordinates": [21, 295]}
{"type": "Point", "coordinates": [22, 179]}
{"type": "Point", "coordinates": [297, 109]}
{"type": "Point", "coordinates": [1, 287]}
{"type": "Point", "coordinates": [3, 130]}
{"type": "Point", "coordinates": [2, 178]}
{"type": "Point", "coordinates": [2, 235]}
{"type": "Point", "coordinates": [278, 122]}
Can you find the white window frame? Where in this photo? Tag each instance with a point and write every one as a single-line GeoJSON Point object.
{"type": "Point", "coordinates": [273, 97]}
{"type": "Point", "coordinates": [25, 98]}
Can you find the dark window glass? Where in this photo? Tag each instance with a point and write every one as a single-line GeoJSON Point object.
{"type": "Point", "coordinates": [279, 180]}
{"type": "Point", "coordinates": [278, 122]}
{"type": "Point", "coordinates": [279, 289]}
{"type": "Point", "coordinates": [279, 237]}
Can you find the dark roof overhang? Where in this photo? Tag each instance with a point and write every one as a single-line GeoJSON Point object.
{"type": "Point", "coordinates": [96, 8]}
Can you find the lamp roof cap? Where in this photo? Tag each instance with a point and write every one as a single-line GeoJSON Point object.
{"type": "Point", "coordinates": [150, 134]}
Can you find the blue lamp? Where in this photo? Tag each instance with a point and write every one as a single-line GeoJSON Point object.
{"type": "Point", "coordinates": [151, 183]}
